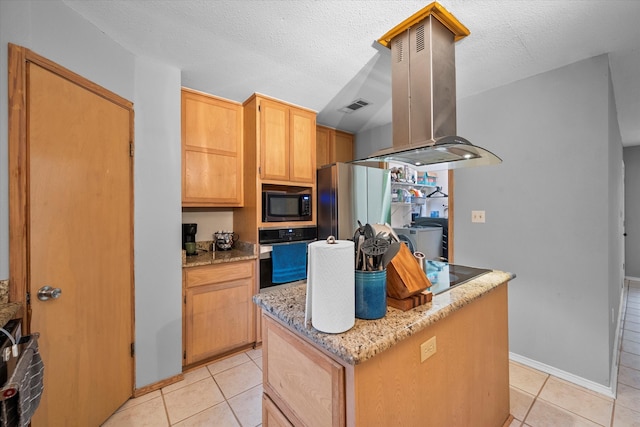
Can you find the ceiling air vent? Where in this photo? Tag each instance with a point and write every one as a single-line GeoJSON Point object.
{"type": "Point", "coordinates": [355, 105]}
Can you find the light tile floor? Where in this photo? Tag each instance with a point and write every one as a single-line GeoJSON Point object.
{"type": "Point", "coordinates": [227, 393]}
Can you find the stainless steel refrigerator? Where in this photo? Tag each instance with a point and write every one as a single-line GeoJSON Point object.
{"type": "Point", "coordinates": [348, 193]}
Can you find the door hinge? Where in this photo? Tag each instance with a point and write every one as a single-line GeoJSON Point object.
{"type": "Point", "coordinates": [133, 349]}
{"type": "Point", "coordinates": [259, 170]}
{"type": "Point", "coordinates": [185, 299]}
{"type": "Point", "coordinates": [28, 297]}
{"type": "Point", "coordinates": [131, 149]}
{"type": "Point", "coordinates": [184, 354]}
{"type": "Point", "coordinates": [259, 107]}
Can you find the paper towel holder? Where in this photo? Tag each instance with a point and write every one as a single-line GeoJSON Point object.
{"type": "Point", "coordinates": [331, 240]}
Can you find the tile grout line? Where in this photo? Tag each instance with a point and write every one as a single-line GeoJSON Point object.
{"type": "Point", "coordinates": [535, 398]}
{"type": "Point", "coordinates": [626, 312]}
{"type": "Point", "coordinates": [166, 410]}
{"type": "Point", "coordinates": [225, 401]}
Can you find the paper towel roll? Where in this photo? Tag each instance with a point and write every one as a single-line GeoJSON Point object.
{"type": "Point", "coordinates": [330, 300]}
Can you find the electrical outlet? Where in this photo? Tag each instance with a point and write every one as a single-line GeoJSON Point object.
{"type": "Point", "coordinates": [427, 349]}
{"type": "Point", "coordinates": [477, 216]}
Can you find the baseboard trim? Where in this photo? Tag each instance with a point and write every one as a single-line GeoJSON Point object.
{"type": "Point", "coordinates": [610, 391]}
{"type": "Point", "coordinates": [582, 382]}
{"type": "Point", "coordinates": [157, 385]}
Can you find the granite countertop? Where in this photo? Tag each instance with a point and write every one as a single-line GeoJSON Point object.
{"type": "Point", "coordinates": [205, 256]}
{"type": "Point", "coordinates": [370, 337]}
{"type": "Point", "coordinates": [8, 311]}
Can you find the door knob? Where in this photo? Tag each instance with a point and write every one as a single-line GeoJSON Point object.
{"type": "Point", "coordinates": [47, 292]}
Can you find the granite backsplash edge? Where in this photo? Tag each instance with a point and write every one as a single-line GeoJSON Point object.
{"type": "Point", "coordinates": [4, 291]}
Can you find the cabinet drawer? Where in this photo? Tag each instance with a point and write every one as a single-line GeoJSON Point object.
{"type": "Point", "coordinates": [208, 274]}
{"type": "Point", "coordinates": [271, 415]}
{"type": "Point", "coordinates": [306, 385]}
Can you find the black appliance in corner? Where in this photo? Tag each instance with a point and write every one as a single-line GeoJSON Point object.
{"type": "Point", "coordinates": [189, 233]}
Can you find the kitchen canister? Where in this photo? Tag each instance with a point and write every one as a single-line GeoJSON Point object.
{"type": "Point", "coordinates": [371, 294]}
{"type": "Point", "coordinates": [330, 303]}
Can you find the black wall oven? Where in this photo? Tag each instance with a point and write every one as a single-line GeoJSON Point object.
{"type": "Point", "coordinates": [270, 237]}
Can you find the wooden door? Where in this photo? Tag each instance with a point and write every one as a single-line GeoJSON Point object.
{"type": "Point", "coordinates": [274, 140]}
{"type": "Point", "coordinates": [211, 151]}
{"type": "Point", "coordinates": [79, 232]}
{"type": "Point", "coordinates": [302, 146]}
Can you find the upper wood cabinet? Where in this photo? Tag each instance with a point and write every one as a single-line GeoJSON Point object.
{"type": "Point", "coordinates": [343, 147]}
{"type": "Point", "coordinates": [212, 154]}
{"type": "Point", "coordinates": [279, 151]}
{"type": "Point", "coordinates": [287, 142]}
{"type": "Point", "coordinates": [332, 146]}
{"type": "Point", "coordinates": [324, 137]}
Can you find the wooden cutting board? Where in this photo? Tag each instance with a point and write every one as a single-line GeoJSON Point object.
{"type": "Point", "coordinates": [404, 275]}
{"type": "Point", "coordinates": [411, 302]}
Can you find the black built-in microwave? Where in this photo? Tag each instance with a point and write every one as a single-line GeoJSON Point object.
{"type": "Point", "coordinates": [279, 206]}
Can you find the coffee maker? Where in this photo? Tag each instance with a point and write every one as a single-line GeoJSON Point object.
{"type": "Point", "coordinates": [189, 236]}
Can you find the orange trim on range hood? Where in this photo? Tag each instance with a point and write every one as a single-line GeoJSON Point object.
{"type": "Point", "coordinates": [434, 9]}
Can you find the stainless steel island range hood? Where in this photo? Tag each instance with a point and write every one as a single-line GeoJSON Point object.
{"type": "Point", "coordinates": [423, 92]}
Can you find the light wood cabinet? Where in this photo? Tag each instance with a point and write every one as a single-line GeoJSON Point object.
{"type": "Point", "coordinates": [212, 152]}
{"type": "Point", "coordinates": [271, 415]}
{"type": "Point", "coordinates": [287, 142]}
{"type": "Point", "coordinates": [323, 145]}
{"type": "Point", "coordinates": [343, 147]}
{"type": "Point", "coordinates": [279, 152]}
{"type": "Point", "coordinates": [218, 311]}
{"type": "Point", "coordinates": [332, 146]}
{"type": "Point", "coordinates": [306, 386]}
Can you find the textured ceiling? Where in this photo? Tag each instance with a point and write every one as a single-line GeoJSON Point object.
{"type": "Point", "coordinates": [322, 54]}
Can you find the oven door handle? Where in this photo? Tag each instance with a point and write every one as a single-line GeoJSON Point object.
{"type": "Point", "coordinates": [265, 249]}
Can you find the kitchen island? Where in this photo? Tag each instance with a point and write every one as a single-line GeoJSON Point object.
{"type": "Point", "coordinates": [445, 363]}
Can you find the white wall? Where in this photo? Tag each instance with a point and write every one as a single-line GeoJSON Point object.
{"type": "Point", "coordinates": [616, 229]}
{"type": "Point", "coordinates": [209, 221]}
{"type": "Point", "coordinates": [632, 210]}
{"type": "Point", "coordinates": [548, 213]}
{"type": "Point", "coordinates": [52, 30]}
{"type": "Point", "coordinates": [158, 234]}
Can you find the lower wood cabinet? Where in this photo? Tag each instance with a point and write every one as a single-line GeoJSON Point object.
{"type": "Point", "coordinates": [271, 415]}
{"type": "Point", "coordinates": [218, 311]}
{"type": "Point", "coordinates": [301, 384]}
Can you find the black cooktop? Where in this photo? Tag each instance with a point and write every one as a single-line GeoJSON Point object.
{"type": "Point", "coordinates": [444, 276]}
